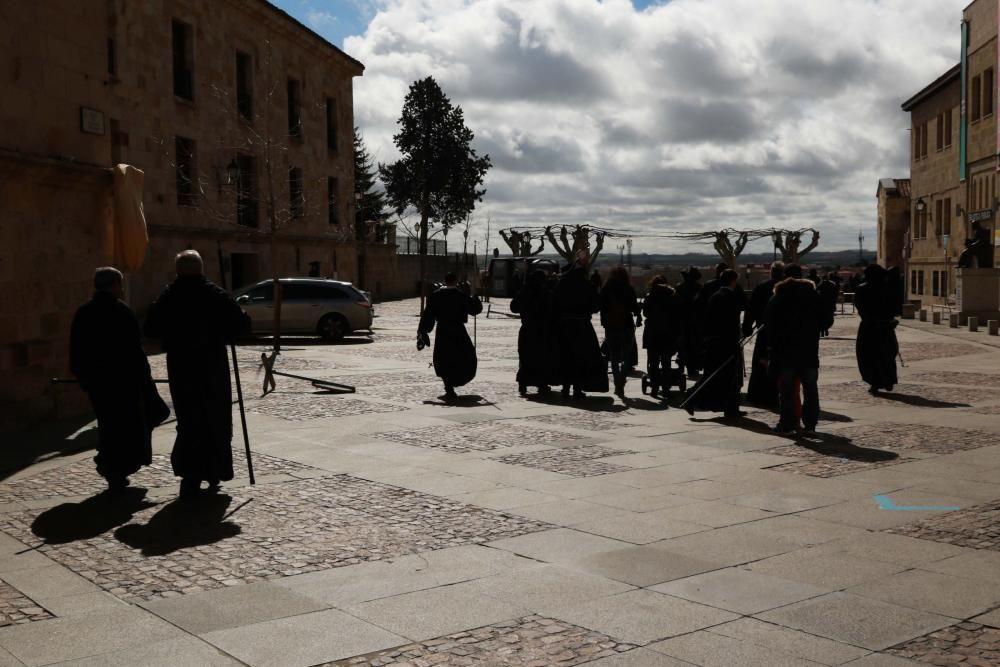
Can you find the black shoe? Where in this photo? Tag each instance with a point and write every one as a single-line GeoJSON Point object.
{"type": "Point", "coordinates": [522, 389]}
{"type": "Point", "coordinates": [873, 390]}
{"type": "Point", "coordinates": [214, 486]}
{"type": "Point", "coordinates": [688, 409]}
{"type": "Point", "coordinates": [117, 483]}
{"type": "Point", "coordinates": [190, 488]}
{"type": "Point", "coordinates": [449, 393]}
{"type": "Point", "coordinates": [544, 390]}
{"type": "Point", "coordinates": [782, 428]}
{"type": "Point", "coordinates": [579, 395]}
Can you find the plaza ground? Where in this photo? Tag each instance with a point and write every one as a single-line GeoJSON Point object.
{"type": "Point", "coordinates": [390, 527]}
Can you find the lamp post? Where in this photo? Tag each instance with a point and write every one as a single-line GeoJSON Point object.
{"type": "Point", "coordinates": [861, 245]}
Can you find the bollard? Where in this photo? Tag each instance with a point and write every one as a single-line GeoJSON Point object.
{"type": "Point", "coordinates": [973, 323]}
{"type": "Point", "coordinates": [936, 317]}
{"type": "Point", "coordinates": [923, 314]}
{"type": "Point", "coordinates": [993, 326]}
{"type": "Point", "coordinates": [953, 320]}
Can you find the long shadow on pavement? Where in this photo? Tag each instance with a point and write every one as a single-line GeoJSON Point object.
{"type": "Point", "coordinates": [89, 518]}
{"type": "Point", "coordinates": [590, 403]}
{"type": "Point", "coordinates": [919, 401]}
{"type": "Point", "coordinates": [182, 524]}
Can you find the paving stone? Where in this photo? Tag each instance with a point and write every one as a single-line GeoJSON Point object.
{"type": "Point", "coordinates": [712, 650]}
{"type": "Point", "coordinates": [793, 642]}
{"type": "Point", "coordinates": [480, 437]}
{"type": "Point", "coordinates": [306, 405]}
{"type": "Point", "coordinates": [575, 460]}
{"type": "Point", "coordinates": [16, 608]}
{"type": "Point", "coordinates": [976, 527]}
{"type": "Point", "coordinates": [832, 570]}
{"type": "Point", "coordinates": [601, 421]}
{"type": "Point", "coordinates": [275, 531]}
{"type": "Point", "coordinates": [930, 591]}
{"type": "Point", "coordinates": [918, 395]}
{"type": "Point", "coordinates": [739, 590]}
{"type": "Point", "coordinates": [963, 644]}
{"type": "Point", "coordinates": [530, 641]}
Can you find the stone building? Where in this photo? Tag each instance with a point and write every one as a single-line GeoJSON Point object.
{"type": "Point", "coordinates": [241, 119]}
{"type": "Point", "coordinates": [953, 165]}
{"type": "Point", "coordinates": [893, 197]}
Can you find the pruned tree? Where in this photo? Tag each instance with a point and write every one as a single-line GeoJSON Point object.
{"type": "Point", "coordinates": [728, 243]}
{"type": "Point", "coordinates": [521, 242]}
{"type": "Point", "coordinates": [573, 244]}
{"type": "Point", "coordinates": [788, 243]}
{"type": "Point", "coordinates": [439, 174]}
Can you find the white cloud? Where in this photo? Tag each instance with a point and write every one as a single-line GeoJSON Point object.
{"type": "Point", "coordinates": [318, 20]}
{"type": "Point", "coordinates": [690, 114]}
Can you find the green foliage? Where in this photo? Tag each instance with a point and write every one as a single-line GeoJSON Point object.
{"type": "Point", "coordinates": [372, 205]}
{"type": "Point", "coordinates": [439, 173]}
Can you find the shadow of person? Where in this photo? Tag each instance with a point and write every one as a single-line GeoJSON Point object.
{"type": "Point", "coordinates": [589, 402]}
{"type": "Point", "coordinates": [919, 401]}
{"type": "Point", "coordinates": [89, 518]}
{"type": "Point", "coordinates": [837, 446]}
{"type": "Point", "coordinates": [461, 401]}
{"type": "Point", "coordinates": [646, 403]}
{"type": "Point", "coordinates": [181, 524]}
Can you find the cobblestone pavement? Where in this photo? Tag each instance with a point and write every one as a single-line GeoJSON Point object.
{"type": "Point", "coordinates": [584, 421]}
{"type": "Point", "coordinates": [532, 641]}
{"type": "Point", "coordinates": [819, 460]}
{"type": "Point", "coordinates": [575, 460]}
{"type": "Point", "coordinates": [948, 377]}
{"type": "Point", "coordinates": [274, 530]}
{"type": "Point", "coordinates": [903, 394]}
{"type": "Point", "coordinates": [81, 479]}
{"type": "Point", "coordinates": [479, 437]}
{"type": "Point", "coordinates": [976, 527]}
{"type": "Point", "coordinates": [16, 608]}
{"type": "Point", "coordinates": [968, 644]}
{"type": "Point", "coordinates": [306, 405]}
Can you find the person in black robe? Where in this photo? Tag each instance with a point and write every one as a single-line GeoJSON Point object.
{"type": "Point", "coordinates": [454, 354]}
{"type": "Point", "coordinates": [581, 366]}
{"type": "Point", "coordinates": [535, 352]}
{"type": "Point", "coordinates": [620, 315]}
{"type": "Point", "coordinates": [829, 291]}
{"type": "Point", "coordinates": [719, 389]}
{"type": "Point", "coordinates": [195, 321]}
{"type": "Point", "coordinates": [106, 356]}
{"type": "Point", "coordinates": [793, 320]}
{"type": "Point", "coordinates": [762, 390]}
{"type": "Point", "coordinates": [690, 340]}
{"type": "Point", "coordinates": [876, 345]}
{"type": "Point", "coordinates": [661, 334]}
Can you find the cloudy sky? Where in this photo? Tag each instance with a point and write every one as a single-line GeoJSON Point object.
{"type": "Point", "coordinates": [660, 116]}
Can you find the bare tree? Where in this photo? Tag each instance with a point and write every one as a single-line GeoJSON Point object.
{"type": "Point", "coordinates": [787, 242]}
{"type": "Point", "coordinates": [521, 242]}
{"type": "Point", "coordinates": [573, 244]}
{"type": "Point", "coordinates": [728, 243]}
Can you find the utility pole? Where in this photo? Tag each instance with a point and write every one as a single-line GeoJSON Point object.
{"type": "Point", "coordinates": [861, 252]}
{"type": "Point", "coordinates": [628, 242]}
{"type": "Point", "coordinates": [621, 255]}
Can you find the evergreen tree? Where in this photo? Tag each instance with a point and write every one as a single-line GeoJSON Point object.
{"type": "Point", "coordinates": [439, 173]}
{"type": "Point", "coordinates": [371, 205]}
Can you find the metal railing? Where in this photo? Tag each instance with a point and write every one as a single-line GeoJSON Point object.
{"type": "Point", "coordinates": [409, 245]}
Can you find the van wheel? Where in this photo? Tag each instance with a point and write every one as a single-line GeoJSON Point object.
{"type": "Point", "coordinates": [333, 327]}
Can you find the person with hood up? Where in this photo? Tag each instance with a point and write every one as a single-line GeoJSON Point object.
{"type": "Point", "coordinates": [690, 342]}
{"type": "Point", "coordinates": [661, 334]}
{"type": "Point", "coordinates": [719, 389]}
{"type": "Point", "coordinates": [618, 306]}
{"type": "Point", "coordinates": [581, 365]}
{"type": "Point", "coordinates": [877, 347]}
{"type": "Point", "coordinates": [454, 354]}
{"type": "Point", "coordinates": [535, 352]}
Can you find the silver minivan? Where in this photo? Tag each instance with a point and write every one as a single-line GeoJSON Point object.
{"type": "Point", "coordinates": [311, 306]}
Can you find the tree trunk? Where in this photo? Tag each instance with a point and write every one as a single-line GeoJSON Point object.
{"type": "Point", "coordinates": [423, 258]}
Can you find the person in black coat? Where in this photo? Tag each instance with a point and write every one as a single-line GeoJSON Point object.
{"type": "Point", "coordinates": [719, 389]}
{"type": "Point", "coordinates": [195, 320]}
{"type": "Point", "coordinates": [581, 366]}
{"type": "Point", "coordinates": [620, 315]}
{"type": "Point", "coordinates": [535, 351]}
{"type": "Point", "coordinates": [106, 356]}
{"type": "Point", "coordinates": [794, 317]}
{"type": "Point", "coordinates": [690, 340]}
{"type": "Point", "coordinates": [661, 335]}
{"type": "Point", "coordinates": [454, 354]}
{"type": "Point", "coordinates": [877, 347]}
{"type": "Point", "coordinates": [828, 292]}
{"type": "Point", "coordinates": [761, 389]}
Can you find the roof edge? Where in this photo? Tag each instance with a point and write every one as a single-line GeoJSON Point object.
{"type": "Point", "coordinates": [281, 13]}
{"type": "Point", "coordinates": [932, 87]}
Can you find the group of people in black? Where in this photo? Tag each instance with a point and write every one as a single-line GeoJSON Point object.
{"type": "Point", "coordinates": [194, 320]}
{"type": "Point", "coordinates": [704, 326]}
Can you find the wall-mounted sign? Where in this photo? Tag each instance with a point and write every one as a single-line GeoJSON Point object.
{"type": "Point", "coordinates": [91, 121]}
{"type": "Point", "coordinates": [979, 216]}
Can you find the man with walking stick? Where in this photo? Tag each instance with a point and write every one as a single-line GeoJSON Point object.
{"type": "Point", "coordinates": [196, 320]}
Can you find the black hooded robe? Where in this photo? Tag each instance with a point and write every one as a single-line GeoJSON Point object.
{"type": "Point", "coordinates": [581, 364]}
{"type": "Point", "coordinates": [195, 320]}
{"type": "Point", "coordinates": [454, 354]}
{"type": "Point", "coordinates": [762, 390]}
{"type": "Point", "coordinates": [536, 365]}
{"type": "Point", "coordinates": [106, 356]}
{"type": "Point", "coordinates": [719, 389]}
{"type": "Point", "coordinates": [876, 345]}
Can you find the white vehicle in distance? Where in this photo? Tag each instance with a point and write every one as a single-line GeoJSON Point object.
{"type": "Point", "coordinates": [310, 306]}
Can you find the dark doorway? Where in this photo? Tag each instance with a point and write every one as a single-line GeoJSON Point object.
{"type": "Point", "coordinates": [245, 268]}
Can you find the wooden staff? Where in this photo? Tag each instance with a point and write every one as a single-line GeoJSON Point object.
{"type": "Point", "coordinates": [243, 414]}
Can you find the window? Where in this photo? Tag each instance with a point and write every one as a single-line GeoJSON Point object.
{"type": "Point", "coordinates": [934, 283]}
{"type": "Point", "coordinates": [183, 43]}
{"type": "Point", "coordinates": [920, 282]}
{"type": "Point", "coordinates": [946, 222]}
{"type": "Point", "coordinates": [244, 85]}
{"type": "Point", "coordinates": [976, 98]}
{"type": "Point", "coordinates": [916, 142]}
{"type": "Point", "coordinates": [944, 283]}
{"type": "Point", "coordinates": [246, 191]}
{"type": "Point", "coordinates": [185, 171]}
{"type": "Point", "coordinates": [947, 128]}
{"type": "Point", "coordinates": [988, 87]}
{"type": "Point", "coordinates": [923, 141]}
{"type": "Point", "coordinates": [939, 127]}
{"type": "Point", "coordinates": [333, 215]}
{"type": "Point", "coordinates": [296, 195]}
{"type": "Point", "coordinates": [294, 109]}
{"type": "Point", "coordinates": [938, 217]}
{"type": "Point", "coordinates": [263, 292]}
{"type": "Point", "coordinates": [920, 226]}
{"type": "Point", "coordinates": [112, 57]}
{"type": "Point", "coordinates": [331, 123]}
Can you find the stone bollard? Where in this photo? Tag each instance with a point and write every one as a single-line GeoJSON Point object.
{"type": "Point", "coordinates": [993, 326]}
{"type": "Point", "coordinates": [923, 314]}
{"type": "Point", "coordinates": [973, 323]}
{"type": "Point", "coordinates": [953, 320]}
{"type": "Point", "coordinates": [936, 317]}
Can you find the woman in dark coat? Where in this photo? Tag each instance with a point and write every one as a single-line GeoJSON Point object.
{"type": "Point", "coordinates": [762, 389]}
{"type": "Point", "coordinates": [581, 365]}
{"type": "Point", "coordinates": [454, 354]}
{"type": "Point", "coordinates": [196, 320]}
{"type": "Point", "coordinates": [719, 389]}
{"type": "Point", "coordinates": [535, 352]}
{"type": "Point", "coordinates": [106, 356]}
{"type": "Point", "coordinates": [875, 300]}
{"type": "Point", "coordinates": [690, 342]}
{"type": "Point", "coordinates": [618, 308]}
{"type": "Point", "coordinates": [660, 337]}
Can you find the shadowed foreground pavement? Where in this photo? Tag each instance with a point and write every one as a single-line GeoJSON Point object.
{"type": "Point", "coordinates": [390, 527]}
